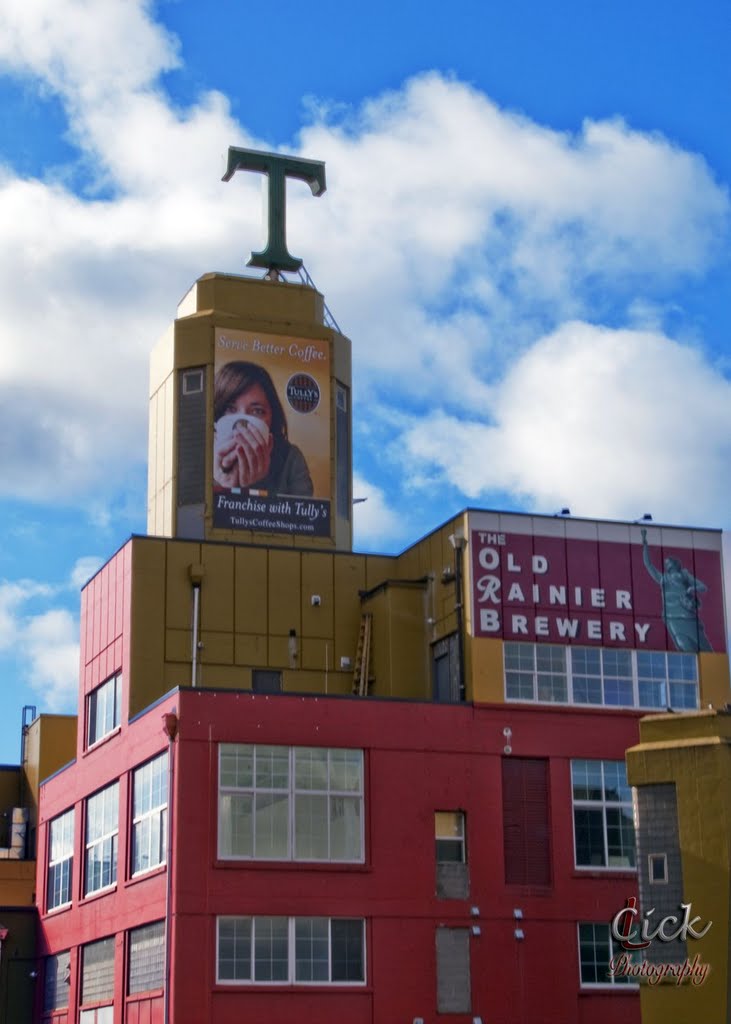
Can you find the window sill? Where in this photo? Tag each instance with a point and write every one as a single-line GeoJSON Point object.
{"type": "Point", "coordinates": [58, 910]}
{"type": "Point", "coordinates": [159, 869]}
{"type": "Point", "coordinates": [600, 872]}
{"type": "Point", "coordinates": [595, 990]}
{"type": "Point", "coordinates": [295, 987]}
{"type": "Point", "coordinates": [102, 740]}
{"type": "Point", "coordinates": [97, 894]}
{"type": "Point", "coordinates": [239, 863]}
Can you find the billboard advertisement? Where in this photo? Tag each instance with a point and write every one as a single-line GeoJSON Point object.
{"type": "Point", "coordinates": [271, 433]}
{"type": "Point", "coordinates": [585, 583]}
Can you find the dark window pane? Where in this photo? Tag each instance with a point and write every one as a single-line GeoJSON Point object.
{"type": "Point", "coordinates": [346, 939]}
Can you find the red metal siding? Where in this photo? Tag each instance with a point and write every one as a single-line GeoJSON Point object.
{"type": "Point", "coordinates": [418, 758]}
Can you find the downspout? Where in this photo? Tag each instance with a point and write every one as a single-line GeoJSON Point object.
{"type": "Point", "coordinates": [170, 727]}
{"type": "Point", "coordinates": [459, 608]}
{"type": "Point", "coordinates": [195, 572]}
{"type": "Point", "coordinates": [458, 542]}
{"type": "Point", "coordinates": [194, 635]}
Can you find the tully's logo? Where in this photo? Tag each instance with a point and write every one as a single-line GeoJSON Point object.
{"type": "Point", "coordinates": [303, 392]}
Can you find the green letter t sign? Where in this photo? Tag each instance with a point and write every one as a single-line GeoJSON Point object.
{"type": "Point", "coordinates": [277, 168]}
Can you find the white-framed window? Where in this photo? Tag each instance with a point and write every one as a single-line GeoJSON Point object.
{"type": "Point", "coordinates": [290, 803]}
{"type": "Point", "coordinates": [602, 676]}
{"type": "Point", "coordinates": [60, 860]}
{"type": "Point", "coordinates": [57, 976]}
{"type": "Point", "coordinates": [449, 834]}
{"type": "Point", "coordinates": [192, 382]}
{"type": "Point", "coordinates": [146, 958]}
{"type": "Point", "coordinates": [149, 814]}
{"type": "Point", "coordinates": [102, 828]}
{"type": "Point", "coordinates": [604, 832]}
{"type": "Point", "coordinates": [599, 957]}
{"type": "Point", "coordinates": [657, 868]}
{"type": "Point", "coordinates": [104, 709]}
{"type": "Point", "coordinates": [290, 950]}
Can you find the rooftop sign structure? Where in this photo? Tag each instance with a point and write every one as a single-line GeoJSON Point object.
{"type": "Point", "coordinates": [275, 255]}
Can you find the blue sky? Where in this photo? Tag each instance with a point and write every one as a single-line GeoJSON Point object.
{"type": "Point", "coordinates": [537, 194]}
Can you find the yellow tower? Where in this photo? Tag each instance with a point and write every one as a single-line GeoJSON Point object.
{"type": "Point", "coordinates": [250, 422]}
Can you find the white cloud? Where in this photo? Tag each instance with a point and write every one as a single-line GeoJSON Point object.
{"type": "Point", "coordinates": [85, 50]}
{"type": "Point", "coordinates": [609, 422]}
{"type": "Point", "coordinates": [13, 595]}
{"type": "Point", "coordinates": [42, 644]}
{"type": "Point", "coordinates": [453, 237]}
{"type": "Point", "coordinates": [83, 569]}
{"type": "Point", "coordinates": [50, 643]}
{"type": "Point", "coordinates": [376, 524]}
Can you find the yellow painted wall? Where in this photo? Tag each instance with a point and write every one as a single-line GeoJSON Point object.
{"type": "Point", "coordinates": [714, 684]}
{"type": "Point", "coordinates": [400, 663]}
{"type": "Point", "coordinates": [17, 882]}
{"type": "Point", "coordinates": [9, 787]}
{"type": "Point", "coordinates": [485, 658]}
{"type": "Point", "coordinates": [50, 743]}
{"type": "Point", "coordinates": [250, 599]}
{"type": "Point", "coordinates": [161, 431]}
{"type": "Point", "coordinates": [694, 751]}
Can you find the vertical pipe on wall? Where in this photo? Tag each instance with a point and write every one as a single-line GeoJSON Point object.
{"type": "Point", "coordinates": [458, 542]}
{"type": "Point", "coordinates": [459, 608]}
{"type": "Point", "coordinates": [170, 727]}
{"type": "Point", "coordinates": [194, 634]}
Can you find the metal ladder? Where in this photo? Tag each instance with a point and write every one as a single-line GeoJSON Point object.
{"type": "Point", "coordinates": [361, 672]}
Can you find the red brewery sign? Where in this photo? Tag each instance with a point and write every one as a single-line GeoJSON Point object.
{"type": "Point", "coordinates": [651, 588]}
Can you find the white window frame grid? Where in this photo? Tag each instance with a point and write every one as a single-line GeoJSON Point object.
{"type": "Point", "coordinates": [291, 951]}
{"type": "Point", "coordinates": [97, 719]}
{"type": "Point", "coordinates": [636, 677]}
{"type": "Point", "coordinates": [293, 791]}
{"type": "Point", "coordinates": [147, 818]}
{"type": "Point", "coordinates": [108, 836]}
{"type": "Point", "coordinates": [64, 822]}
{"type": "Point", "coordinates": [600, 804]}
{"type": "Point", "coordinates": [612, 982]}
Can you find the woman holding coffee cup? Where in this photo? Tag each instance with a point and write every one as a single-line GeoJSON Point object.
{"type": "Point", "coordinates": [251, 449]}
